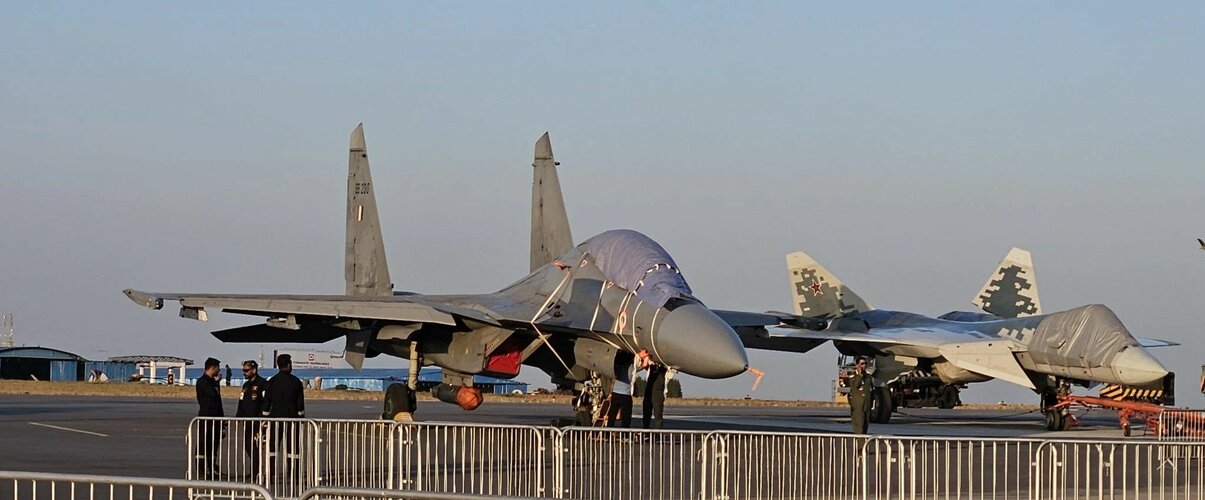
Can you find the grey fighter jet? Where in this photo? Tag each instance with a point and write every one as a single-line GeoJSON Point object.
{"type": "Point", "coordinates": [582, 309]}
{"type": "Point", "coordinates": [1010, 340]}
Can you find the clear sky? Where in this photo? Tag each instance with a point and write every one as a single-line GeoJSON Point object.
{"type": "Point", "coordinates": [906, 146]}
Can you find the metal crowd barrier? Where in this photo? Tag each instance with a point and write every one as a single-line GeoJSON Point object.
{"type": "Point", "coordinates": [370, 494]}
{"type": "Point", "coordinates": [1120, 469]}
{"type": "Point", "coordinates": [1182, 425]}
{"type": "Point", "coordinates": [774, 465]}
{"type": "Point", "coordinates": [547, 462]}
{"type": "Point", "coordinates": [926, 467]}
{"type": "Point", "coordinates": [473, 458]}
{"type": "Point", "coordinates": [630, 463]}
{"type": "Point", "coordinates": [278, 454]}
{"type": "Point", "coordinates": [38, 486]}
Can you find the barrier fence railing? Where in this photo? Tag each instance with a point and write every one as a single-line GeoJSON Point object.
{"type": "Point", "coordinates": [280, 455]}
{"type": "Point", "coordinates": [927, 467]}
{"type": "Point", "coordinates": [477, 459]}
{"type": "Point", "coordinates": [289, 457]}
{"type": "Point", "coordinates": [1120, 469]}
{"type": "Point", "coordinates": [371, 494]}
{"type": "Point", "coordinates": [631, 463]}
{"type": "Point", "coordinates": [17, 485]}
{"type": "Point", "coordinates": [796, 465]}
{"type": "Point", "coordinates": [1182, 425]}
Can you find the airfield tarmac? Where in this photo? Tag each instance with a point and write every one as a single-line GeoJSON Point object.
{"type": "Point", "coordinates": [145, 436]}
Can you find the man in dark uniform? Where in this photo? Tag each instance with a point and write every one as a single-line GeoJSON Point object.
{"type": "Point", "coordinates": [251, 405]}
{"type": "Point", "coordinates": [209, 433]}
{"type": "Point", "coordinates": [283, 399]}
{"type": "Point", "coordinates": [860, 387]}
{"type": "Point", "coordinates": [227, 375]}
{"type": "Point", "coordinates": [654, 392]}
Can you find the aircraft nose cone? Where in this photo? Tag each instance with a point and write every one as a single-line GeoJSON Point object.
{"type": "Point", "coordinates": [1136, 366]}
{"type": "Point", "coordinates": [696, 341]}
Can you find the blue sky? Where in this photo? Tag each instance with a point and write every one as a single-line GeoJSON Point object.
{"type": "Point", "coordinates": [905, 146]}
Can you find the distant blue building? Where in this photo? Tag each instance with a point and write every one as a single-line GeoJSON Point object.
{"type": "Point", "coordinates": [40, 363]}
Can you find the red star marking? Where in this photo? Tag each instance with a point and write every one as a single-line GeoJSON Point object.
{"type": "Point", "coordinates": [816, 290]}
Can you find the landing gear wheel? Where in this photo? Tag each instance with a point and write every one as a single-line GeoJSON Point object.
{"type": "Point", "coordinates": [880, 405]}
{"type": "Point", "coordinates": [1056, 420]}
{"type": "Point", "coordinates": [947, 399]}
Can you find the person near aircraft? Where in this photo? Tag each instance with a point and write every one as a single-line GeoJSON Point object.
{"type": "Point", "coordinates": [250, 405]}
{"type": "Point", "coordinates": [860, 387]}
{"type": "Point", "coordinates": [654, 392]}
{"type": "Point", "coordinates": [620, 409]}
{"type": "Point", "coordinates": [284, 398]}
{"type": "Point", "coordinates": [209, 399]}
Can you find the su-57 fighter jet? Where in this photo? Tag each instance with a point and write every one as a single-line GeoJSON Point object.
{"type": "Point", "coordinates": [1010, 340]}
{"type": "Point", "coordinates": [585, 308]}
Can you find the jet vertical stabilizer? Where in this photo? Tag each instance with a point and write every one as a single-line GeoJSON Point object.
{"type": "Point", "coordinates": [816, 293]}
{"type": "Point", "coordinates": [1011, 291]}
{"type": "Point", "coordinates": [550, 237]}
{"type": "Point", "coordinates": [365, 268]}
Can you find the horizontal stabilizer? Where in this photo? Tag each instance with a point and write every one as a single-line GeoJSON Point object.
{"type": "Point", "coordinates": [992, 358]}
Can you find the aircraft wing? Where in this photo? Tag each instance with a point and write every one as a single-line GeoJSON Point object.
{"type": "Point", "coordinates": [391, 308]}
{"type": "Point", "coordinates": [990, 357]}
{"type": "Point", "coordinates": [839, 336]}
{"type": "Point", "coordinates": [1157, 343]}
{"type": "Point", "coordinates": [742, 319]}
{"type": "Point", "coordinates": [993, 358]}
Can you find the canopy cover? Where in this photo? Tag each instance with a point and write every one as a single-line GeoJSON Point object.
{"type": "Point", "coordinates": [636, 263]}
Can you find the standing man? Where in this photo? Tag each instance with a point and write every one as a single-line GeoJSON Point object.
{"type": "Point", "coordinates": [654, 392]}
{"type": "Point", "coordinates": [619, 412]}
{"type": "Point", "coordinates": [227, 375]}
{"type": "Point", "coordinates": [251, 405]}
{"type": "Point", "coordinates": [209, 398]}
{"type": "Point", "coordinates": [284, 398]}
{"type": "Point", "coordinates": [860, 387]}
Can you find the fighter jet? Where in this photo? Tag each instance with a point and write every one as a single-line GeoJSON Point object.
{"type": "Point", "coordinates": [1202, 243]}
{"type": "Point", "coordinates": [1011, 339]}
{"type": "Point", "coordinates": [582, 309]}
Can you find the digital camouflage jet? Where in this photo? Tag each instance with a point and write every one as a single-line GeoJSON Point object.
{"type": "Point", "coordinates": [1010, 340]}
{"type": "Point", "coordinates": [582, 309]}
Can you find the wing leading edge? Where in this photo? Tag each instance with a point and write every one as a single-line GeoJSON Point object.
{"type": "Point", "coordinates": [390, 308]}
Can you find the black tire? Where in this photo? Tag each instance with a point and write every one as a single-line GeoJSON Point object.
{"type": "Point", "coordinates": [948, 397]}
{"type": "Point", "coordinates": [880, 405]}
{"type": "Point", "coordinates": [1056, 421]}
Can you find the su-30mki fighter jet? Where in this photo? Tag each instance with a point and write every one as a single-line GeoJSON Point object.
{"type": "Point", "coordinates": [1010, 340]}
{"type": "Point", "coordinates": [583, 309]}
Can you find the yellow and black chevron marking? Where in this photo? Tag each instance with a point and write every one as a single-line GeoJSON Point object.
{"type": "Point", "coordinates": [1122, 393]}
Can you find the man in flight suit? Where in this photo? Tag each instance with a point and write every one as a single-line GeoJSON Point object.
{"type": "Point", "coordinates": [860, 387]}
{"type": "Point", "coordinates": [209, 398]}
{"type": "Point", "coordinates": [251, 405]}
{"type": "Point", "coordinates": [284, 398]}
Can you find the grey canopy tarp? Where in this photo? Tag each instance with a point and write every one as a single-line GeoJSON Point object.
{"type": "Point", "coordinates": [626, 257]}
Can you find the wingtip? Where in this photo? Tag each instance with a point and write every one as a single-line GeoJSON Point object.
{"type": "Point", "coordinates": [357, 138]}
{"type": "Point", "coordinates": [544, 147]}
{"type": "Point", "coordinates": [799, 258]}
{"type": "Point", "coordinates": [147, 300]}
{"type": "Point", "coordinates": [1020, 255]}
